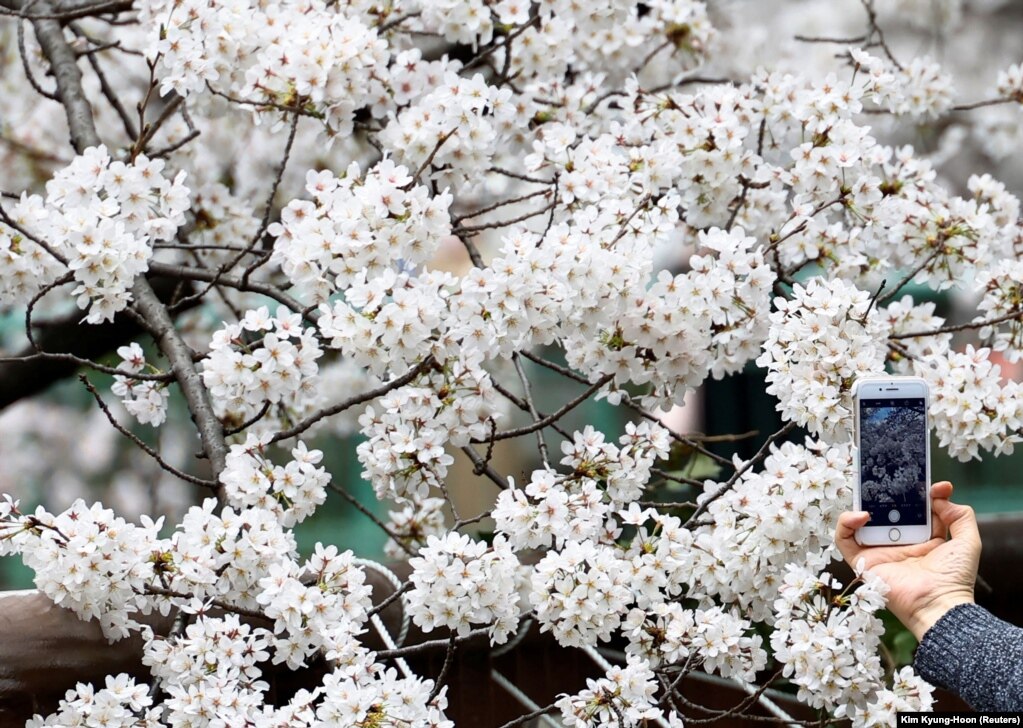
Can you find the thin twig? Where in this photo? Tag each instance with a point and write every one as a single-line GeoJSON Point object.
{"type": "Point", "coordinates": [529, 716]}
{"type": "Point", "coordinates": [490, 208]}
{"type": "Point", "coordinates": [482, 467]}
{"type": "Point", "coordinates": [821, 39]}
{"type": "Point", "coordinates": [391, 599]}
{"type": "Point", "coordinates": [527, 390]}
{"type": "Point", "coordinates": [472, 250]}
{"type": "Point", "coordinates": [522, 177]}
{"type": "Point", "coordinates": [959, 327]}
{"type": "Point", "coordinates": [265, 221]}
{"type": "Point", "coordinates": [542, 423]}
{"type": "Point", "coordinates": [392, 24]}
{"type": "Point", "coordinates": [981, 104]}
{"type": "Point", "coordinates": [358, 399]}
{"type": "Point", "coordinates": [158, 591]}
{"type": "Point", "coordinates": [909, 277]}
{"type": "Point", "coordinates": [429, 160]}
{"type": "Point", "coordinates": [371, 516]}
{"type": "Point", "coordinates": [190, 273]}
{"type": "Point", "coordinates": [431, 645]}
{"type": "Point", "coordinates": [448, 658]}
{"type": "Point", "coordinates": [142, 445]}
{"type": "Point", "coordinates": [627, 402]}
{"type": "Point", "coordinates": [80, 361]}
{"type": "Point", "coordinates": [112, 97]}
{"type": "Point", "coordinates": [27, 66]}
{"type": "Point", "coordinates": [502, 223]}
{"type": "Point", "coordinates": [752, 462]}
{"type": "Point", "coordinates": [84, 10]}
{"type": "Point", "coordinates": [873, 300]}
{"type": "Point", "coordinates": [249, 422]}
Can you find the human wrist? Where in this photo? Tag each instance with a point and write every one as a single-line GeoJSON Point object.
{"type": "Point", "coordinates": [926, 616]}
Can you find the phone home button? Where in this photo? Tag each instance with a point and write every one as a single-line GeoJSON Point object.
{"type": "Point", "coordinates": [894, 534]}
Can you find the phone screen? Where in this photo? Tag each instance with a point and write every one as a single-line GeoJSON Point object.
{"type": "Point", "coordinates": [893, 461]}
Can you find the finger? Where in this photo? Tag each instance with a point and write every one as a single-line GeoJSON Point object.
{"type": "Point", "coordinates": [940, 491]}
{"type": "Point", "coordinates": [960, 519]}
{"type": "Point", "coordinates": [845, 535]}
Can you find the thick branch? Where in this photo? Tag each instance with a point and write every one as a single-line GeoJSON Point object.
{"type": "Point", "coordinates": [68, 347]}
{"type": "Point", "coordinates": [65, 69]}
{"type": "Point", "coordinates": [191, 273]}
{"type": "Point", "coordinates": [68, 10]}
{"type": "Point", "coordinates": [180, 357]}
{"type": "Point", "coordinates": [83, 135]}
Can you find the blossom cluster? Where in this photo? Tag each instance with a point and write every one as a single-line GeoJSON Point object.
{"type": "Point", "coordinates": [26, 267]}
{"type": "Point", "coordinates": [1002, 286]}
{"type": "Point", "coordinates": [407, 430]}
{"type": "Point", "coordinates": [580, 593]}
{"type": "Point", "coordinates": [102, 216]}
{"type": "Point", "coordinates": [120, 703]}
{"type": "Point", "coordinates": [608, 37]}
{"type": "Point", "coordinates": [970, 406]}
{"type": "Point", "coordinates": [456, 128]}
{"type": "Point", "coordinates": [324, 615]}
{"type": "Point", "coordinates": [292, 491]}
{"type": "Point", "coordinates": [827, 639]}
{"type": "Point", "coordinates": [920, 89]}
{"type": "Point", "coordinates": [412, 525]}
{"type": "Point", "coordinates": [684, 325]}
{"type": "Point", "coordinates": [386, 321]}
{"type": "Point", "coordinates": [260, 361]}
{"type": "Point", "coordinates": [299, 55]}
{"type": "Point", "coordinates": [145, 399]}
{"type": "Point", "coordinates": [356, 228]}
{"type": "Point", "coordinates": [625, 694]}
{"type": "Point", "coordinates": [86, 559]}
{"type": "Point", "coordinates": [782, 513]}
{"type": "Point", "coordinates": [820, 341]}
{"type": "Point", "coordinates": [223, 554]}
{"type": "Point", "coordinates": [555, 508]}
{"type": "Point", "coordinates": [212, 667]}
{"type": "Point", "coordinates": [458, 582]}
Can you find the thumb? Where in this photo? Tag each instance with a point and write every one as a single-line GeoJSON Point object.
{"type": "Point", "coordinates": [960, 519]}
{"type": "Point", "coordinates": [845, 535]}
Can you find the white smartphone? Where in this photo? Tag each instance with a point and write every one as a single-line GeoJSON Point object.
{"type": "Point", "coordinates": [892, 458]}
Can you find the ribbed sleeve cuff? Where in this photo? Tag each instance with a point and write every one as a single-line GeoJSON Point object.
{"type": "Point", "coordinates": [940, 655]}
{"type": "Point", "coordinates": [962, 647]}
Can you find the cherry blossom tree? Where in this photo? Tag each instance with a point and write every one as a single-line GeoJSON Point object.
{"type": "Point", "coordinates": [246, 200]}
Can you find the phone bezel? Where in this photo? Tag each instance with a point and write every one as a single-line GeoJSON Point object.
{"type": "Point", "coordinates": [895, 387]}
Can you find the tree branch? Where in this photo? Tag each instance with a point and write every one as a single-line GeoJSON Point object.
{"type": "Point", "coordinates": [167, 337]}
{"type": "Point", "coordinates": [150, 451]}
{"type": "Point", "coordinates": [549, 419]}
{"type": "Point", "coordinates": [63, 63]}
{"type": "Point", "coordinates": [191, 273]}
{"type": "Point", "coordinates": [64, 346]}
{"type": "Point", "coordinates": [353, 401]}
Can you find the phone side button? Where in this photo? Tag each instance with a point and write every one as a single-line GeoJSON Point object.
{"type": "Point", "coordinates": [895, 534]}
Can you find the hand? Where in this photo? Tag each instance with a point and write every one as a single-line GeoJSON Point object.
{"type": "Point", "coordinates": [926, 579]}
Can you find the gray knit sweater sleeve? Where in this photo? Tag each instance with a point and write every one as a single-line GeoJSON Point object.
{"type": "Point", "coordinates": [975, 655]}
